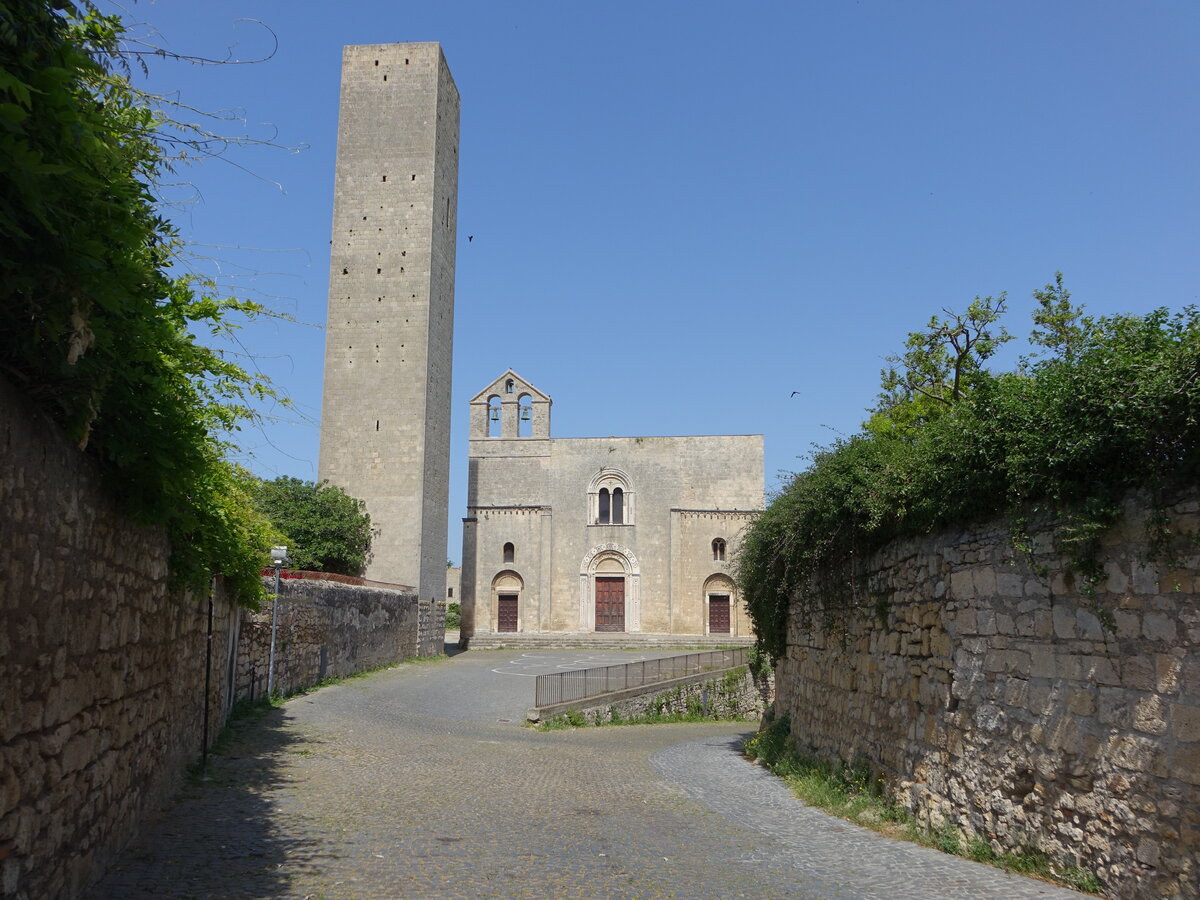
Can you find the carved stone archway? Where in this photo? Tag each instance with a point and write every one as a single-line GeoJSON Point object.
{"type": "Point", "coordinates": [618, 559]}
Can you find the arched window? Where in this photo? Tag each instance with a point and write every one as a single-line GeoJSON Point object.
{"type": "Point", "coordinates": [524, 416]}
{"type": "Point", "coordinates": [510, 552]}
{"type": "Point", "coordinates": [493, 417]}
{"type": "Point", "coordinates": [509, 387]}
{"type": "Point", "coordinates": [611, 498]}
{"type": "Point", "coordinates": [718, 546]}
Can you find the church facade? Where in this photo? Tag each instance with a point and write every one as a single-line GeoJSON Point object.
{"type": "Point", "coordinates": [582, 535]}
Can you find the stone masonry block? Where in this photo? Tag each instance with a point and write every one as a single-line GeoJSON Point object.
{"type": "Point", "coordinates": [1185, 763]}
{"type": "Point", "coordinates": [1138, 673]}
{"type": "Point", "coordinates": [1158, 626]}
{"type": "Point", "coordinates": [1185, 722]}
{"type": "Point", "coordinates": [1088, 626]}
{"type": "Point", "coordinates": [984, 578]}
{"type": "Point", "coordinates": [1149, 715]}
{"type": "Point", "coordinates": [1064, 621]}
{"type": "Point", "coordinates": [1167, 671]}
{"type": "Point", "coordinates": [962, 585]}
{"type": "Point", "coordinates": [1145, 578]}
{"type": "Point", "coordinates": [1118, 581]}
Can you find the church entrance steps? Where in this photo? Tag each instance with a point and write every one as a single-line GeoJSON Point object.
{"type": "Point", "coordinates": [606, 641]}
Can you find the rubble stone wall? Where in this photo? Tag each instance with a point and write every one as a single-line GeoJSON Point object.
{"type": "Point", "coordinates": [997, 697]}
{"type": "Point", "coordinates": [102, 666]}
{"type": "Point", "coordinates": [733, 694]}
{"type": "Point", "coordinates": [329, 630]}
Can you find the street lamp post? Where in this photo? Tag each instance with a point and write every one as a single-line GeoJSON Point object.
{"type": "Point", "coordinates": [279, 559]}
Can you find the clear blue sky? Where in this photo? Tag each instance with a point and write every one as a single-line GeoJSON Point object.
{"type": "Point", "coordinates": [684, 212]}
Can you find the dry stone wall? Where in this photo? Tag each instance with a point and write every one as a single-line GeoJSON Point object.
{"type": "Point", "coordinates": [101, 666]}
{"type": "Point", "coordinates": [329, 630]}
{"type": "Point", "coordinates": [730, 694]}
{"type": "Point", "coordinates": [994, 696]}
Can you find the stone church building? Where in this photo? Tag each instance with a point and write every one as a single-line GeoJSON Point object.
{"type": "Point", "coordinates": [576, 535]}
{"type": "Point", "coordinates": [582, 535]}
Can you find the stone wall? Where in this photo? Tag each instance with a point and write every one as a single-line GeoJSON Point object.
{"type": "Point", "coordinates": [995, 697]}
{"type": "Point", "coordinates": [329, 630]}
{"type": "Point", "coordinates": [728, 694]}
{"type": "Point", "coordinates": [102, 667]}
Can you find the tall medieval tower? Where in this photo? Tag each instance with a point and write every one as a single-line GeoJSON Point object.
{"type": "Point", "coordinates": [385, 421]}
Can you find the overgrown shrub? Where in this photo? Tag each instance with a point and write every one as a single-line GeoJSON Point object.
{"type": "Point", "coordinates": [1113, 407]}
{"type": "Point", "coordinates": [326, 529]}
{"type": "Point", "coordinates": [94, 325]}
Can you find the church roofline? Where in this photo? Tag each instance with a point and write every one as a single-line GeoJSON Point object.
{"type": "Point", "coordinates": [497, 385]}
{"type": "Point", "coordinates": [652, 437]}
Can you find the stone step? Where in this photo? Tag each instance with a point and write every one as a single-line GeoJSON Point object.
{"type": "Point", "coordinates": [605, 641]}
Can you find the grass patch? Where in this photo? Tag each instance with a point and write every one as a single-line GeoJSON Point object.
{"type": "Point", "coordinates": [719, 700]}
{"type": "Point", "coordinates": [852, 792]}
{"type": "Point", "coordinates": [573, 718]}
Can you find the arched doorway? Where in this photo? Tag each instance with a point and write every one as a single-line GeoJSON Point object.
{"type": "Point", "coordinates": [608, 590]}
{"type": "Point", "coordinates": [718, 605]}
{"type": "Point", "coordinates": [506, 601]}
{"type": "Point", "coordinates": [610, 596]}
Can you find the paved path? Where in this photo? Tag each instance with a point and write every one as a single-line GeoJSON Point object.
{"type": "Point", "coordinates": [420, 782]}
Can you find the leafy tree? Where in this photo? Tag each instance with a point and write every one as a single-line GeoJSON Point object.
{"type": "Point", "coordinates": [1058, 325]}
{"type": "Point", "coordinates": [943, 361]}
{"type": "Point", "coordinates": [93, 325]}
{"type": "Point", "coordinates": [326, 529]}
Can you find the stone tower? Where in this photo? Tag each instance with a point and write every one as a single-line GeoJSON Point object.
{"type": "Point", "coordinates": [385, 421]}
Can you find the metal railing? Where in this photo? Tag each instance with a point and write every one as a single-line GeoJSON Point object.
{"type": "Point", "coordinates": [563, 687]}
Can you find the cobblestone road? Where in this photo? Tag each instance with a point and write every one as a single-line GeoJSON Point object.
{"type": "Point", "coordinates": [419, 782]}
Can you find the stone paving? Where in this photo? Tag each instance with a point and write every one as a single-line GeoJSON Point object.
{"type": "Point", "coordinates": [419, 782]}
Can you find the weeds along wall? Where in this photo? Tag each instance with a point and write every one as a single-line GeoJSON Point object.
{"type": "Point", "coordinates": [329, 630]}
{"type": "Point", "coordinates": [101, 666]}
{"type": "Point", "coordinates": [994, 696]}
{"type": "Point", "coordinates": [733, 694]}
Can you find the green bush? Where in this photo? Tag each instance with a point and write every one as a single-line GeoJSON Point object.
{"type": "Point", "coordinates": [94, 325]}
{"type": "Point", "coordinates": [325, 529]}
{"type": "Point", "coordinates": [1113, 407]}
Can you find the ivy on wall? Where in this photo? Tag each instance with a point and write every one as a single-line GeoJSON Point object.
{"type": "Point", "coordinates": [94, 327]}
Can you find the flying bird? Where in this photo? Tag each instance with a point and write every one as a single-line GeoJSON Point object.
{"type": "Point", "coordinates": [794, 393]}
{"type": "Point", "coordinates": [470, 237]}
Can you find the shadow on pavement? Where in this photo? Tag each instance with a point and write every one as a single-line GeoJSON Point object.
{"type": "Point", "coordinates": [220, 839]}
